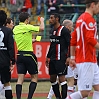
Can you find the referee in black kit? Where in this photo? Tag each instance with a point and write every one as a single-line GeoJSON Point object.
{"type": "Point", "coordinates": [56, 57]}
{"type": "Point", "coordinates": [7, 55]}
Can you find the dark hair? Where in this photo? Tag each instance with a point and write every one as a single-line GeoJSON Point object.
{"type": "Point", "coordinates": [8, 20]}
{"type": "Point", "coordinates": [56, 15]}
{"type": "Point", "coordinates": [90, 1]}
{"type": "Point", "coordinates": [3, 17]}
{"type": "Point", "coordinates": [23, 16]}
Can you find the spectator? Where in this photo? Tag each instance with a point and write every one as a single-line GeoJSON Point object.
{"type": "Point", "coordinates": [3, 3]}
{"type": "Point", "coordinates": [61, 10]}
{"type": "Point", "coordinates": [39, 6]}
{"type": "Point", "coordinates": [32, 2]}
{"type": "Point", "coordinates": [15, 6]}
{"type": "Point", "coordinates": [68, 10]}
{"type": "Point", "coordinates": [52, 6]}
{"type": "Point", "coordinates": [27, 6]}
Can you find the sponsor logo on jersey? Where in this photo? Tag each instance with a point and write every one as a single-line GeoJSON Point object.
{"type": "Point", "coordinates": [91, 24]}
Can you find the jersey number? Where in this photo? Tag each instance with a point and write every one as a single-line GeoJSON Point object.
{"type": "Point", "coordinates": [1, 38]}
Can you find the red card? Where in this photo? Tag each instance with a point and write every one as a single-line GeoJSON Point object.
{"type": "Point", "coordinates": [39, 18]}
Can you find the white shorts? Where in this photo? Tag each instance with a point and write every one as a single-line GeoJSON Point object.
{"type": "Point", "coordinates": [88, 75]}
{"type": "Point", "coordinates": [75, 73]}
{"type": "Point", "coordinates": [71, 73]}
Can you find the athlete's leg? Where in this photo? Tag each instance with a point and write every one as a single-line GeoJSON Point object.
{"type": "Point", "coordinates": [50, 94]}
{"type": "Point", "coordinates": [70, 82]}
{"type": "Point", "coordinates": [55, 85]}
{"type": "Point", "coordinates": [32, 85]}
{"type": "Point", "coordinates": [19, 85]}
{"type": "Point", "coordinates": [96, 82]}
{"type": "Point", "coordinates": [84, 80]}
{"type": "Point", "coordinates": [8, 91]}
{"type": "Point", "coordinates": [1, 86]}
{"type": "Point", "coordinates": [63, 84]}
{"type": "Point", "coordinates": [5, 79]}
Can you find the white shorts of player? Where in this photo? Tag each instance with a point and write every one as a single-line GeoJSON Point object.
{"type": "Point", "coordinates": [88, 75]}
{"type": "Point", "coordinates": [71, 73]}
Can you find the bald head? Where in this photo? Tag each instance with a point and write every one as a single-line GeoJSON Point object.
{"type": "Point", "coordinates": [68, 24]}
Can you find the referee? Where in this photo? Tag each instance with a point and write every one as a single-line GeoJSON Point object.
{"type": "Point", "coordinates": [26, 59]}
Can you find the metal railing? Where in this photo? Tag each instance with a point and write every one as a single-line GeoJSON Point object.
{"type": "Point", "coordinates": [71, 16]}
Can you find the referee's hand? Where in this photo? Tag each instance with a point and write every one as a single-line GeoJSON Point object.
{"type": "Point", "coordinates": [42, 19]}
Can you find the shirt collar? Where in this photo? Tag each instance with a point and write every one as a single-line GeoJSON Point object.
{"type": "Point", "coordinates": [21, 23]}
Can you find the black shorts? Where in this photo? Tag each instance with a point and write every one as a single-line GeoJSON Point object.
{"type": "Point", "coordinates": [5, 74]}
{"type": "Point", "coordinates": [26, 61]}
{"type": "Point", "coordinates": [57, 67]}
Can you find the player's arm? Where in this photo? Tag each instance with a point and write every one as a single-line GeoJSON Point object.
{"type": "Point", "coordinates": [73, 49]}
{"type": "Point", "coordinates": [11, 47]}
{"type": "Point", "coordinates": [35, 29]}
{"type": "Point", "coordinates": [97, 46]}
{"type": "Point", "coordinates": [68, 57]}
{"type": "Point", "coordinates": [73, 43]}
{"type": "Point", "coordinates": [48, 57]}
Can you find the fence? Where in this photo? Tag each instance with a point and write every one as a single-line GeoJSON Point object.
{"type": "Point", "coordinates": [72, 16]}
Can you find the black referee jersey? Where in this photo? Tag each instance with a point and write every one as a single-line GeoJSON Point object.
{"type": "Point", "coordinates": [60, 42]}
{"type": "Point", "coordinates": [6, 47]}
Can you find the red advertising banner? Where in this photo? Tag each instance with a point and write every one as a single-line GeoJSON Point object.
{"type": "Point", "coordinates": [40, 50]}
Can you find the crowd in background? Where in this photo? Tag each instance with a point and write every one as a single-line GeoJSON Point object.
{"type": "Point", "coordinates": [17, 6]}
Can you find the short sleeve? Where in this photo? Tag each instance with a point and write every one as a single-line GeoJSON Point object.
{"type": "Point", "coordinates": [73, 41]}
{"type": "Point", "coordinates": [33, 28]}
{"type": "Point", "coordinates": [91, 32]}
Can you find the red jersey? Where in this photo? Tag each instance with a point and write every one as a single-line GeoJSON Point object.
{"type": "Point", "coordinates": [84, 38]}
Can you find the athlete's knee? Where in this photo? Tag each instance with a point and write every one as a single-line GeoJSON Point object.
{"type": "Point", "coordinates": [96, 87]}
{"type": "Point", "coordinates": [53, 78]}
{"type": "Point", "coordinates": [34, 77]}
{"type": "Point", "coordinates": [85, 93]}
{"type": "Point", "coordinates": [62, 78]}
{"type": "Point", "coordinates": [6, 84]}
{"type": "Point", "coordinates": [20, 78]}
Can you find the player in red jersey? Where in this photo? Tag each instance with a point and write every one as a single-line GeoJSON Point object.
{"type": "Point", "coordinates": [83, 52]}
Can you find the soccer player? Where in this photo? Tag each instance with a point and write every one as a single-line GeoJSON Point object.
{"type": "Point", "coordinates": [7, 55]}
{"type": "Point", "coordinates": [26, 59]}
{"type": "Point", "coordinates": [83, 52]}
{"type": "Point", "coordinates": [69, 25]}
{"type": "Point", "coordinates": [56, 57]}
{"type": "Point", "coordinates": [9, 24]}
